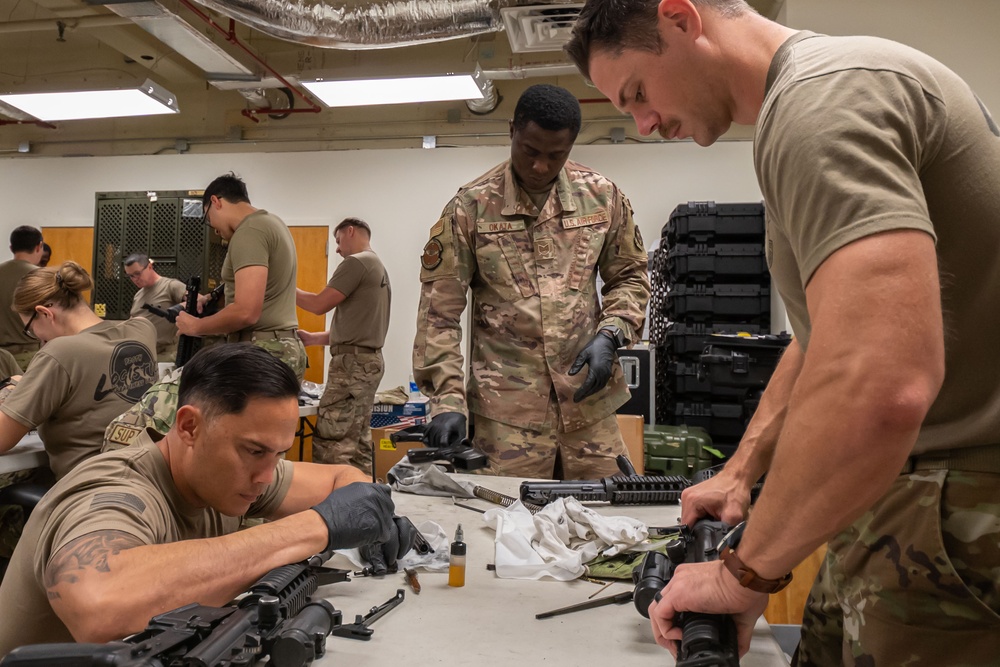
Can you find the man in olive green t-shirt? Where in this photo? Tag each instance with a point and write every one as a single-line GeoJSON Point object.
{"type": "Point", "coordinates": [880, 428]}
{"type": "Point", "coordinates": [359, 295]}
{"type": "Point", "coordinates": [259, 273]}
{"type": "Point", "coordinates": [27, 246]}
{"type": "Point", "coordinates": [159, 291]}
{"type": "Point", "coordinates": [136, 532]}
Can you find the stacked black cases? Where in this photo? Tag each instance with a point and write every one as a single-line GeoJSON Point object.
{"type": "Point", "coordinates": [709, 276]}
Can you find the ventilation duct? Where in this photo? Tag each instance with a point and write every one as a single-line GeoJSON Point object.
{"type": "Point", "coordinates": [379, 24]}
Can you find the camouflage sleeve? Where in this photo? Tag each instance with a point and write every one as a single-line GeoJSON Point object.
{"type": "Point", "coordinates": [446, 269]}
{"type": "Point", "coordinates": [623, 267]}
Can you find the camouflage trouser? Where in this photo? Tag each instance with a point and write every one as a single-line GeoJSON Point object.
{"type": "Point", "coordinates": [289, 350]}
{"type": "Point", "coordinates": [156, 409]}
{"type": "Point", "coordinates": [587, 453]}
{"type": "Point", "coordinates": [915, 581]}
{"type": "Point", "coordinates": [343, 433]}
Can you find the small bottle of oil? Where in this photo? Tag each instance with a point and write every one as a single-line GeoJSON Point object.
{"type": "Point", "coordinates": [456, 563]}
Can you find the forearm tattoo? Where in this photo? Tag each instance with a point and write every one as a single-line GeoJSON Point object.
{"type": "Point", "coordinates": [88, 552]}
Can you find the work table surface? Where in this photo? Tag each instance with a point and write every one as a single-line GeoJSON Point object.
{"type": "Point", "coordinates": [491, 621]}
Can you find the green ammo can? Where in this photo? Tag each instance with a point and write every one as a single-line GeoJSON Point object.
{"type": "Point", "coordinates": [678, 450]}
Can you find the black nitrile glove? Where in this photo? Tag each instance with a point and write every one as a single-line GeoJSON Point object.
{"type": "Point", "coordinates": [599, 355]}
{"type": "Point", "coordinates": [358, 514]}
{"type": "Point", "coordinates": [445, 430]}
{"type": "Point", "coordinates": [383, 556]}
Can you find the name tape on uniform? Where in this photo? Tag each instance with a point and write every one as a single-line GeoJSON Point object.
{"type": "Point", "coordinates": [585, 220]}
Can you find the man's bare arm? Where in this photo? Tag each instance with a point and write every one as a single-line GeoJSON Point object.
{"type": "Point", "coordinates": [11, 432]}
{"type": "Point", "coordinates": [312, 482]}
{"type": "Point", "coordinates": [321, 303]}
{"type": "Point", "coordinates": [753, 456]}
{"type": "Point", "coordinates": [107, 584]}
{"type": "Point", "coordinates": [727, 495]}
{"type": "Point", "coordinates": [243, 312]}
{"type": "Point", "coordinates": [874, 366]}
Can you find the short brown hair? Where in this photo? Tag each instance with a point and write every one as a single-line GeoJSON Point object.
{"type": "Point", "coordinates": [353, 222]}
{"type": "Point", "coordinates": [60, 285]}
{"type": "Point", "coordinates": [616, 25]}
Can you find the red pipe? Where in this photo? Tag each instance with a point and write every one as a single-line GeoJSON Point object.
{"type": "Point", "coordinates": [230, 36]}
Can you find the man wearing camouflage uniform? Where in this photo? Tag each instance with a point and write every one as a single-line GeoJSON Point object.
{"type": "Point", "coordinates": [359, 295]}
{"type": "Point", "coordinates": [529, 238]}
{"type": "Point", "coordinates": [259, 273]}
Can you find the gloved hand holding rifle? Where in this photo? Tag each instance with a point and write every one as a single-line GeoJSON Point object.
{"type": "Point", "coordinates": [362, 515]}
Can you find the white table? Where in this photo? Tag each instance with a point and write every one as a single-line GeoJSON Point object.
{"type": "Point", "coordinates": [27, 454]}
{"type": "Point", "coordinates": [491, 621]}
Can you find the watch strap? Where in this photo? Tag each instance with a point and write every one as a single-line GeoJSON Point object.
{"type": "Point", "coordinates": [615, 334]}
{"type": "Point", "coordinates": [747, 578]}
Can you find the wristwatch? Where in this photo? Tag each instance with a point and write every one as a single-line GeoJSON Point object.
{"type": "Point", "coordinates": [747, 577]}
{"type": "Point", "coordinates": [615, 334]}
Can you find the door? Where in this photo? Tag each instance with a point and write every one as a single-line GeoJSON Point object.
{"type": "Point", "coordinates": [311, 246]}
{"type": "Point", "coordinates": [72, 244]}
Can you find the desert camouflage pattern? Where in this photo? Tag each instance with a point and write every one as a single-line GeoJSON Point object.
{"type": "Point", "coordinates": [586, 453]}
{"type": "Point", "coordinates": [156, 410]}
{"type": "Point", "coordinates": [343, 421]}
{"type": "Point", "coordinates": [289, 350]}
{"type": "Point", "coordinates": [535, 303]}
{"type": "Point", "coordinates": [915, 581]}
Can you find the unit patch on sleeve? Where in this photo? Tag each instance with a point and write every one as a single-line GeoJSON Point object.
{"type": "Point", "coordinates": [433, 252]}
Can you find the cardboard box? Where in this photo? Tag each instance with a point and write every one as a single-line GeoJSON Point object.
{"type": "Point", "coordinates": [388, 454]}
{"type": "Point", "coordinates": [385, 414]}
{"type": "Point", "coordinates": [631, 427]}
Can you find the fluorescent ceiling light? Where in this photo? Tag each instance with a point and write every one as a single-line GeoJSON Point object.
{"type": "Point", "coordinates": [362, 92]}
{"type": "Point", "coordinates": [146, 100]}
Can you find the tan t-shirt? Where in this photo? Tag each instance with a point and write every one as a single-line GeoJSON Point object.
{"type": "Point", "coordinates": [11, 326]}
{"type": "Point", "coordinates": [363, 317]}
{"type": "Point", "coordinates": [164, 293]}
{"type": "Point", "coordinates": [859, 135]}
{"type": "Point", "coordinates": [77, 384]}
{"type": "Point", "coordinates": [263, 239]}
{"type": "Point", "coordinates": [128, 490]}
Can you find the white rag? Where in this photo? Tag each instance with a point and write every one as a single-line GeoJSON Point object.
{"type": "Point", "coordinates": [434, 561]}
{"type": "Point", "coordinates": [558, 540]}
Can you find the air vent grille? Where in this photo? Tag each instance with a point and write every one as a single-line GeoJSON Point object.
{"type": "Point", "coordinates": [539, 27]}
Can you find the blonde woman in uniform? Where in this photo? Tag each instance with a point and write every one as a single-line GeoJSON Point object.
{"type": "Point", "coordinates": [87, 372]}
